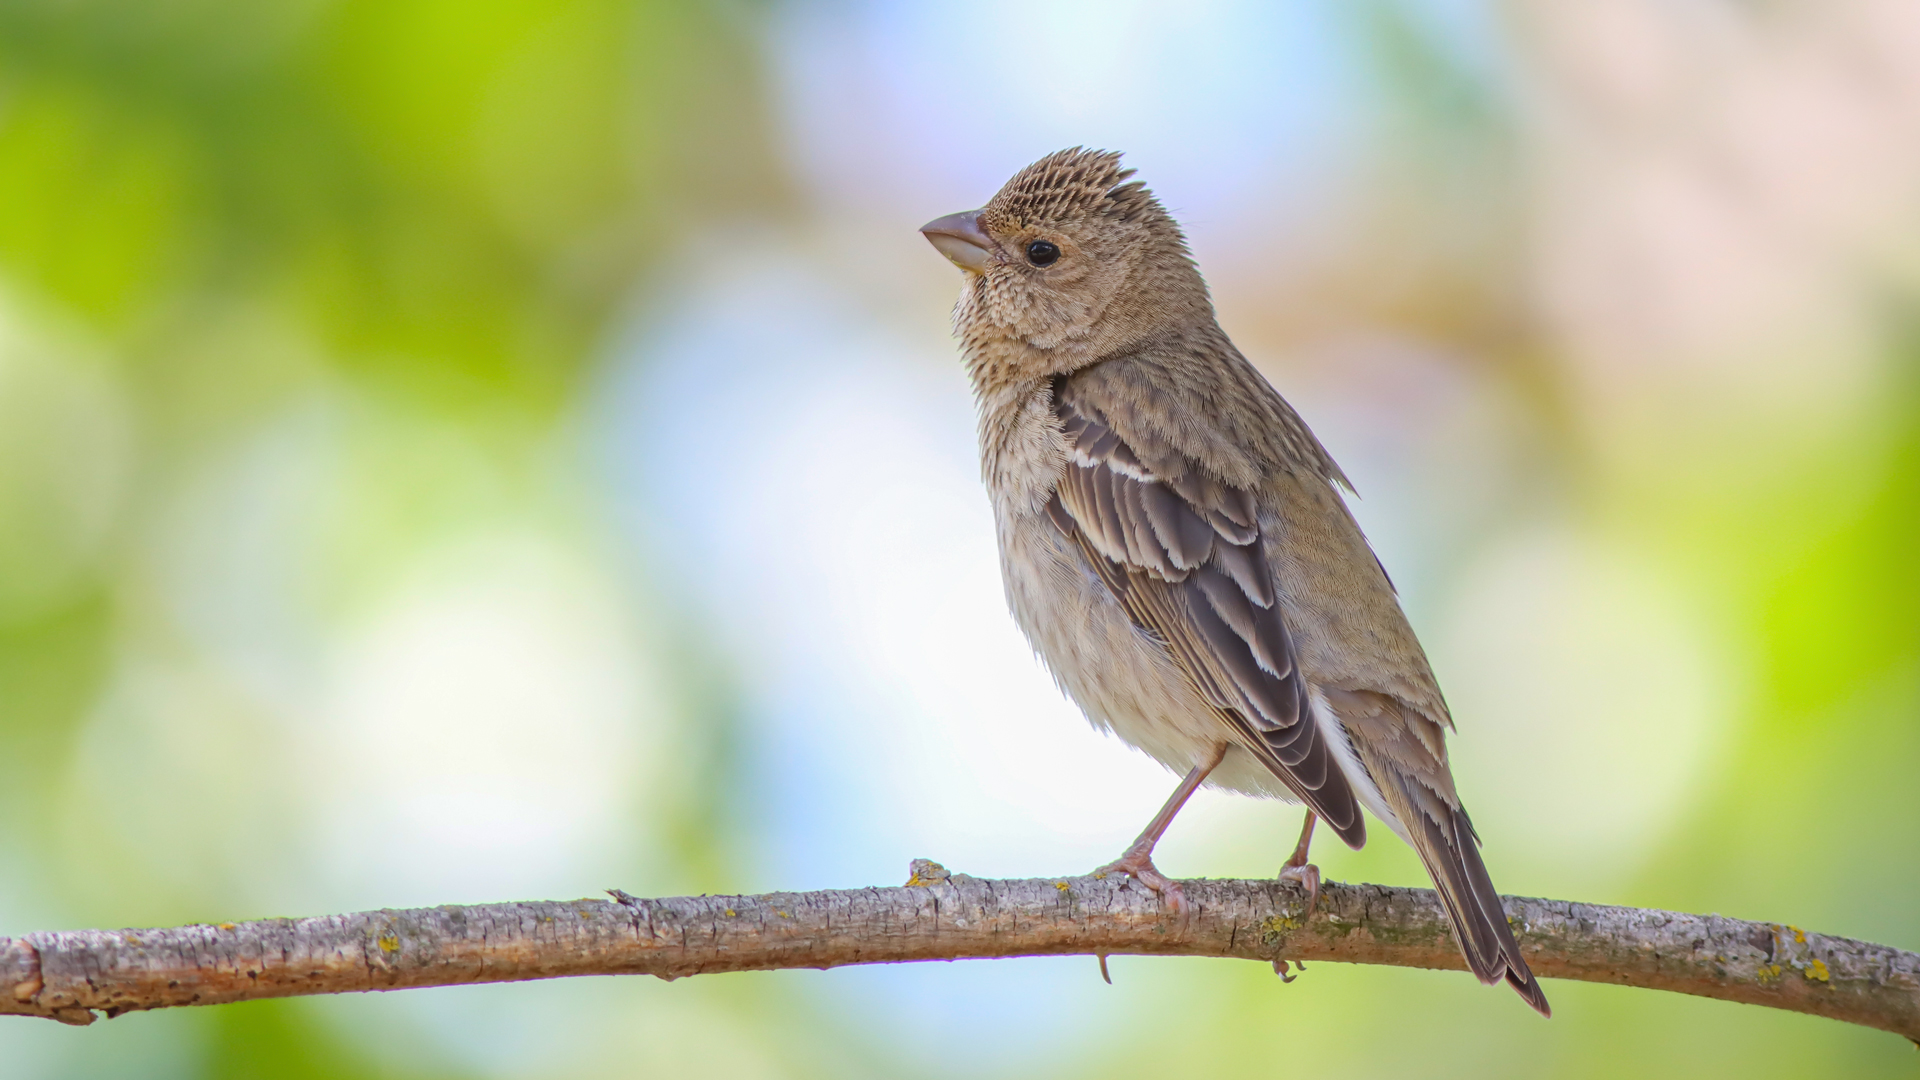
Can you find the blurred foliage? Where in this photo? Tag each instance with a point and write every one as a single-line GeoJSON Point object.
{"type": "Point", "coordinates": [222, 206]}
{"type": "Point", "coordinates": [327, 279]}
{"type": "Point", "coordinates": [214, 214]}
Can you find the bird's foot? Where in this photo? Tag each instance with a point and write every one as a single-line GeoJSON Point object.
{"type": "Point", "coordinates": [1307, 876]}
{"type": "Point", "coordinates": [1137, 864]}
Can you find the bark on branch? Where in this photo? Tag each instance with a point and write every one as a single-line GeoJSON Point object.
{"type": "Point", "coordinates": [69, 975]}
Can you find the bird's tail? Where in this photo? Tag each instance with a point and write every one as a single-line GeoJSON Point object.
{"type": "Point", "coordinates": [1444, 837]}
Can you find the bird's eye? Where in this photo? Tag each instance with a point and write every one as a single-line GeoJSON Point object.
{"type": "Point", "coordinates": [1042, 253]}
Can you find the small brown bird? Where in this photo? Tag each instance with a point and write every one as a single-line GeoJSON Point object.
{"type": "Point", "coordinates": [1175, 546]}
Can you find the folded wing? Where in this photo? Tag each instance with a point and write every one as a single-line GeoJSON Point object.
{"type": "Point", "coordinates": [1185, 556]}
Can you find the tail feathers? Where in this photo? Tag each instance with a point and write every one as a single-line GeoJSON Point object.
{"type": "Point", "coordinates": [1444, 837]}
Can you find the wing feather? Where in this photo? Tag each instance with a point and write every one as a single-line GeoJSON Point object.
{"type": "Point", "coordinates": [1184, 554]}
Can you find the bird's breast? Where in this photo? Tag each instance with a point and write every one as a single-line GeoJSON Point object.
{"type": "Point", "coordinates": [1022, 449]}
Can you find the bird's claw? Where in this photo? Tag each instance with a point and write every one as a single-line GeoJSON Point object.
{"type": "Point", "coordinates": [1307, 876]}
{"type": "Point", "coordinates": [1138, 865]}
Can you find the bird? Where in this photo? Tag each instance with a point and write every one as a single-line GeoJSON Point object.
{"type": "Point", "coordinates": [1176, 545]}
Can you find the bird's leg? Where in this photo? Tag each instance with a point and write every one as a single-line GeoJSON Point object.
{"type": "Point", "coordinates": [1301, 872]}
{"type": "Point", "coordinates": [1137, 860]}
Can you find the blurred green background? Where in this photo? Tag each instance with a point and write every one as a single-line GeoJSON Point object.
{"type": "Point", "coordinates": [437, 464]}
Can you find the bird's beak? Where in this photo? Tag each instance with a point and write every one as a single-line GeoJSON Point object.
{"type": "Point", "coordinates": [960, 238]}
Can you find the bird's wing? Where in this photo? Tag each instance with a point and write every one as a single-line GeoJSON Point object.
{"type": "Point", "coordinates": [1184, 553]}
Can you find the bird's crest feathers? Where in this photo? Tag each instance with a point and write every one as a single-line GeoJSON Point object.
{"type": "Point", "coordinates": [1075, 183]}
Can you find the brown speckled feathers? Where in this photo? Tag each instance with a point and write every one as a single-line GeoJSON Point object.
{"type": "Point", "coordinates": [1068, 184]}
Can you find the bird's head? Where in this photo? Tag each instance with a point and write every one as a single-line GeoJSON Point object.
{"type": "Point", "coordinates": [1071, 255]}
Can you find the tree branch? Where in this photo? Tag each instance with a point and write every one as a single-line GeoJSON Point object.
{"type": "Point", "coordinates": [68, 975]}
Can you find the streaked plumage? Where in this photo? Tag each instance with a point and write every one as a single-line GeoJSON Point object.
{"type": "Point", "coordinates": [1174, 542]}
